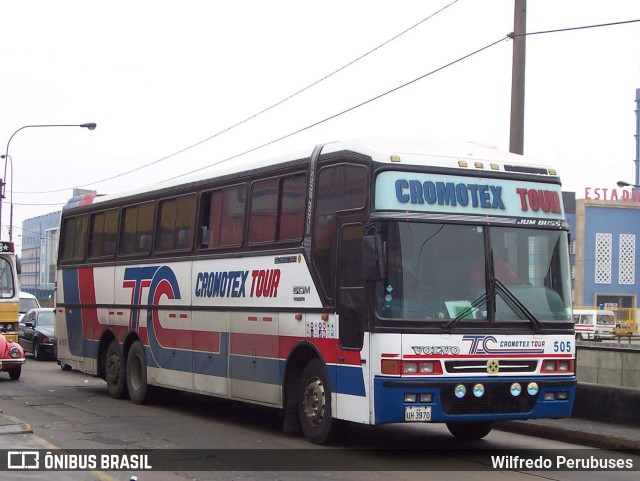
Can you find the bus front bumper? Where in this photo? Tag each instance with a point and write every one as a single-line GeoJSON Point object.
{"type": "Point", "coordinates": [394, 399]}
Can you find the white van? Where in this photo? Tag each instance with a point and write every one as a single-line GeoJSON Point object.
{"type": "Point", "coordinates": [594, 325]}
{"type": "Point", "coordinates": [27, 302]}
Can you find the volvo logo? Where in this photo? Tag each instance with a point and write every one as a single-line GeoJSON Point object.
{"type": "Point", "coordinates": [493, 366]}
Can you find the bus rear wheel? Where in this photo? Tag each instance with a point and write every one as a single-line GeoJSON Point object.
{"type": "Point", "coordinates": [139, 391]}
{"type": "Point", "coordinates": [314, 404]}
{"type": "Point", "coordinates": [470, 431]}
{"type": "Point", "coordinates": [114, 370]}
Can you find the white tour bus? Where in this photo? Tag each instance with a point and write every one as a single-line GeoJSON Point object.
{"type": "Point", "coordinates": [365, 281]}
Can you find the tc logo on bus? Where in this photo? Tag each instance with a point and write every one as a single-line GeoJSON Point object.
{"type": "Point", "coordinates": [159, 280]}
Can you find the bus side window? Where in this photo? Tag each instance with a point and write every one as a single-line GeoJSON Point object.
{"type": "Point", "coordinates": [137, 229]}
{"type": "Point", "coordinates": [222, 215]}
{"type": "Point", "coordinates": [341, 187]}
{"type": "Point", "coordinates": [74, 237]}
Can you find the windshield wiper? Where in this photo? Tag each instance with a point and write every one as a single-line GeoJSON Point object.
{"type": "Point", "coordinates": [516, 305]}
{"type": "Point", "coordinates": [466, 311]}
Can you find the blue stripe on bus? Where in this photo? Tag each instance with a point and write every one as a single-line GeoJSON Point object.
{"type": "Point", "coordinates": [348, 379]}
{"type": "Point", "coordinates": [75, 330]}
{"type": "Point", "coordinates": [263, 370]}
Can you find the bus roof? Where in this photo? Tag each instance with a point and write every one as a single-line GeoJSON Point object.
{"type": "Point", "coordinates": [417, 152]}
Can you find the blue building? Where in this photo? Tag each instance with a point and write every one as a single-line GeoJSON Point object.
{"type": "Point", "coordinates": [39, 254]}
{"type": "Point", "coordinates": [604, 250]}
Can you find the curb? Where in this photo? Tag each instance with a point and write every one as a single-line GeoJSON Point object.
{"type": "Point", "coordinates": [592, 439]}
{"type": "Point", "coordinates": [11, 425]}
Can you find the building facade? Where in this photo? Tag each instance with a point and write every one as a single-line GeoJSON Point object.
{"type": "Point", "coordinates": [39, 255]}
{"type": "Point", "coordinates": [604, 251]}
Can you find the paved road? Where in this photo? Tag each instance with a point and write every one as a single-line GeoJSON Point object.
{"type": "Point", "coordinates": [71, 410]}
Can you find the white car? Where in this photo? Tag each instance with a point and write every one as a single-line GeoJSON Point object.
{"type": "Point", "coordinates": [27, 302]}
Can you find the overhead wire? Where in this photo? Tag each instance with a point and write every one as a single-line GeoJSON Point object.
{"type": "Point", "coordinates": [377, 97]}
{"type": "Point", "coordinates": [251, 117]}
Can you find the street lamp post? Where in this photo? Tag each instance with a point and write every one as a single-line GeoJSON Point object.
{"type": "Point", "coordinates": [6, 157]}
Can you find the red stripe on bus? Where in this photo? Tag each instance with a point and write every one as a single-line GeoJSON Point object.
{"type": "Point", "coordinates": [87, 291]}
{"type": "Point", "coordinates": [254, 345]}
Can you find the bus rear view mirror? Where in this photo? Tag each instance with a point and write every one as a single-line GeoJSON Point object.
{"type": "Point", "coordinates": [373, 257]}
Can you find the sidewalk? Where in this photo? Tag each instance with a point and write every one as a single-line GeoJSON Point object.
{"type": "Point", "coordinates": [594, 434]}
{"type": "Point", "coordinates": [16, 434]}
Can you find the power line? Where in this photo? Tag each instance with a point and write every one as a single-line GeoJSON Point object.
{"type": "Point", "coordinates": [569, 29]}
{"type": "Point", "coordinates": [511, 35]}
{"type": "Point", "coordinates": [344, 111]}
{"type": "Point", "coordinates": [280, 102]}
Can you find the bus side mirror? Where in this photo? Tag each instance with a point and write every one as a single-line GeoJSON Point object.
{"type": "Point", "coordinates": [18, 266]}
{"type": "Point", "coordinates": [373, 257]}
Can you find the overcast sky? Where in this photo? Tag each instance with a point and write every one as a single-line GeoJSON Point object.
{"type": "Point", "coordinates": [160, 76]}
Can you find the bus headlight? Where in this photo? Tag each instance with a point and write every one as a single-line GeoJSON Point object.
{"type": "Point", "coordinates": [478, 390]}
{"type": "Point", "coordinates": [426, 367]}
{"type": "Point", "coordinates": [460, 391]}
{"type": "Point", "coordinates": [515, 389]}
{"type": "Point", "coordinates": [563, 365]}
{"type": "Point", "coordinates": [411, 367]}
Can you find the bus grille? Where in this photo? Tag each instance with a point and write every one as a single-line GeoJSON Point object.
{"type": "Point", "coordinates": [496, 399]}
{"type": "Point", "coordinates": [509, 366]}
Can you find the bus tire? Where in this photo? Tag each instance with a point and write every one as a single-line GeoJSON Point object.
{"type": "Point", "coordinates": [14, 373]}
{"type": "Point", "coordinates": [65, 367]}
{"type": "Point", "coordinates": [314, 404]}
{"type": "Point", "coordinates": [139, 391]}
{"type": "Point", "coordinates": [114, 370]}
{"type": "Point", "coordinates": [470, 431]}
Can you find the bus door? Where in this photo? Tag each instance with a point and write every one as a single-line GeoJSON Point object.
{"type": "Point", "coordinates": [352, 318]}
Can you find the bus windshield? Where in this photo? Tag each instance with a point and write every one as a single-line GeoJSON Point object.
{"type": "Point", "coordinates": [445, 271]}
{"type": "Point", "coordinates": [7, 285]}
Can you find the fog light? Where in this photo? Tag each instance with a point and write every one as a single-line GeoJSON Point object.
{"type": "Point", "coordinates": [425, 398]}
{"type": "Point", "coordinates": [533, 388]}
{"type": "Point", "coordinates": [411, 367]}
{"type": "Point", "coordinates": [549, 396]}
{"type": "Point", "coordinates": [478, 390]}
{"type": "Point", "coordinates": [515, 389]}
{"type": "Point", "coordinates": [409, 398]}
{"type": "Point", "coordinates": [562, 396]}
{"type": "Point", "coordinates": [460, 391]}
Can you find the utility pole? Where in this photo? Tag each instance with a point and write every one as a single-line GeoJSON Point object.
{"type": "Point", "coordinates": [516, 139]}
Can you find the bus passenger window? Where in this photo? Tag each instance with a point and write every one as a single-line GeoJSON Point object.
{"type": "Point", "coordinates": [177, 223]}
{"type": "Point", "coordinates": [103, 234]}
{"type": "Point", "coordinates": [137, 223]}
{"type": "Point", "coordinates": [223, 214]}
{"type": "Point", "coordinates": [74, 236]}
{"type": "Point", "coordinates": [264, 211]}
{"type": "Point", "coordinates": [292, 207]}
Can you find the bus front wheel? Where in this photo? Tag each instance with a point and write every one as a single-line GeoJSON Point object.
{"type": "Point", "coordinates": [115, 371]}
{"type": "Point", "coordinates": [470, 431]}
{"type": "Point", "coordinates": [314, 404]}
{"type": "Point", "coordinates": [139, 391]}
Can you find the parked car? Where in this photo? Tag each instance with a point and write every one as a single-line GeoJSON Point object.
{"type": "Point", "coordinates": [35, 332]}
{"type": "Point", "coordinates": [27, 302]}
{"type": "Point", "coordinates": [11, 357]}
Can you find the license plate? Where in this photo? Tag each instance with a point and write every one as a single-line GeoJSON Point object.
{"type": "Point", "coordinates": [417, 413]}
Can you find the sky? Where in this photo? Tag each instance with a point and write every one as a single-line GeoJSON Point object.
{"type": "Point", "coordinates": [163, 78]}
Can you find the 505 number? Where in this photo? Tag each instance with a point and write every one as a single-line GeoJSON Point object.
{"type": "Point", "coordinates": [562, 346]}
